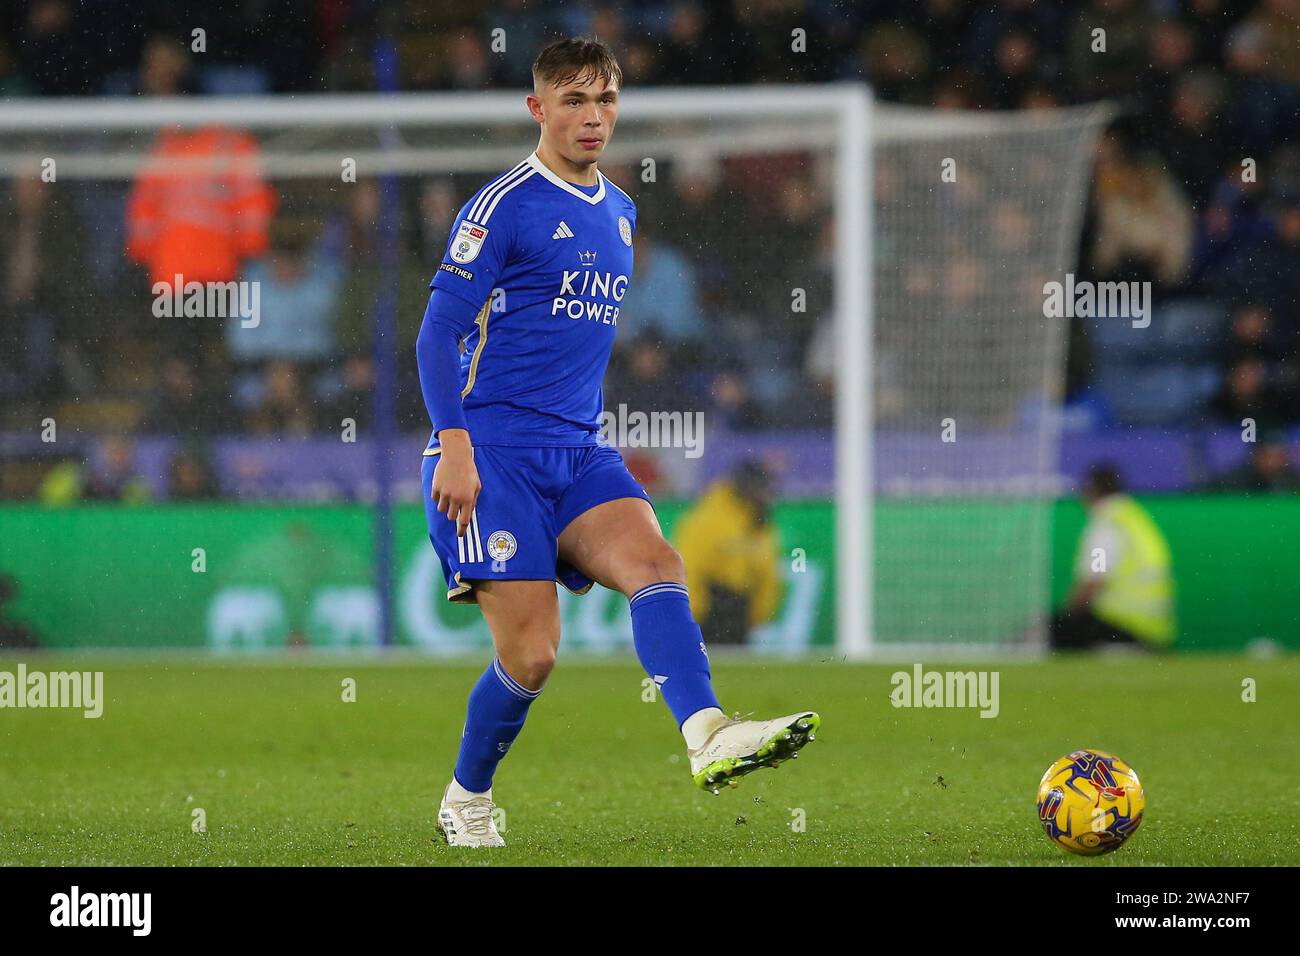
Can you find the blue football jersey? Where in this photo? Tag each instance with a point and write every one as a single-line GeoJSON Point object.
{"type": "Point", "coordinates": [547, 264]}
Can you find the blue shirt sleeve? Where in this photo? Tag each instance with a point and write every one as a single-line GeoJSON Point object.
{"type": "Point", "coordinates": [477, 254]}
{"type": "Point", "coordinates": [471, 266]}
{"type": "Point", "coordinates": [447, 320]}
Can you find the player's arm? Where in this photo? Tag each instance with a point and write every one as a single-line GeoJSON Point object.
{"type": "Point", "coordinates": [474, 261]}
{"type": "Point", "coordinates": [437, 351]}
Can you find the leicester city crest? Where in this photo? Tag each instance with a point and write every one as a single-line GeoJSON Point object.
{"type": "Point", "coordinates": [501, 546]}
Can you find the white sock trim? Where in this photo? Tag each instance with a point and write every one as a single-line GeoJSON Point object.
{"type": "Point", "coordinates": [698, 727]}
{"type": "Point", "coordinates": [458, 794]}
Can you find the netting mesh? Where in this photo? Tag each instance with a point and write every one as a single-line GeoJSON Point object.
{"type": "Point", "coordinates": [972, 218]}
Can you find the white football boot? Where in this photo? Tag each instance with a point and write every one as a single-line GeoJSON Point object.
{"type": "Point", "coordinates": [469, 822]}
{"type": "Point", "coordinates": [739, 747]}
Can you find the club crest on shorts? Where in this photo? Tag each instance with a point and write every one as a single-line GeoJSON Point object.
{"type": "Point", "coordinates": [468, 242]}
{"type": "Point", "coordinates": [501, 546]}
{"type": "Point", "coordinates": [625, 230]}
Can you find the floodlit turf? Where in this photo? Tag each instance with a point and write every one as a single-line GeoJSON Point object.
{"type": "Point", "coordinates": [287, 773]}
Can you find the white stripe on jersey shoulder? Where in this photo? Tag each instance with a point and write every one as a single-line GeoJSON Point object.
{"type": "Point", "coordinates": [501, 195]}
{"type": "Point", "coordinates": [568, 187]}
{"type": "Point", "coordinates": [493, 191]}
{"type": "Point", "coordinates": [616, 187]}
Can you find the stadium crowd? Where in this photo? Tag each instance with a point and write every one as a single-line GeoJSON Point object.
{"type": "Point", "coordinates": [1204, 85]}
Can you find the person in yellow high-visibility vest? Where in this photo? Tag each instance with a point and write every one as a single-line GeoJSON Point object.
{"type": "Point", "coordinates": [729, 545]}
{"type": "Point", "coordinates": [1123, 591]}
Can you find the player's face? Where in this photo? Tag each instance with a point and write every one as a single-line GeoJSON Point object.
{"type": "Point", "coordinates": [578, 118]}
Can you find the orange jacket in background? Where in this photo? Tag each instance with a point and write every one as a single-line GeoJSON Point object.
{"type": "Point", "coordinates": [199, 223]}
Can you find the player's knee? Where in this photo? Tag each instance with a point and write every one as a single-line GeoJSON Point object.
{"type": "Point", "coordinates": [532, 667]}
{"type": "Point", "coordinates": [657, 562]}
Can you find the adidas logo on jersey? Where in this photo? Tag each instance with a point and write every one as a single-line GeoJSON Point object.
{"type": "Point", "coordinates": [562, 231]}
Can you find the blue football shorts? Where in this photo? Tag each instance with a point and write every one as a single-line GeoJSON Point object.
{"type": "Point", "coordinates": [528, 497]}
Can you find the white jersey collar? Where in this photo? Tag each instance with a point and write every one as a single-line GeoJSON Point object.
{"type": "Point", "coordinates": [568, 187]}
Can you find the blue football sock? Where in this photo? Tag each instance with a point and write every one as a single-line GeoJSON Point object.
{"type": "Point", "coordinates": [671, 648]}
{"type": "Point", "coordinates": [498, 705]}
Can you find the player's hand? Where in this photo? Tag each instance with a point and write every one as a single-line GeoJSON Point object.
{"type": "Point", "coordinates": [455, 479]}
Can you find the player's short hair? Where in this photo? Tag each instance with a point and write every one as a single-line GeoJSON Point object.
{"type": "Point", "coordinates": [563, 61]}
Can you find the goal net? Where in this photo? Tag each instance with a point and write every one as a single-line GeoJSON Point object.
{"type": "Point", "coordinates": [853, 292]}
{"type": "Point", "coordinates": [974, 214]}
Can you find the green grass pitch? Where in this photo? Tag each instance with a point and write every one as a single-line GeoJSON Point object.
{"type": "Point", "coordinates": [285, 772]}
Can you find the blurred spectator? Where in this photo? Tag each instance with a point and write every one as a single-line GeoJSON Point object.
{"type": "Point", "coordinates": [1265, 106]}
{"type": "Point", "coordinates": [1194, 137]}
{"type": "Point", "coordinates": [689, 55]}
{"type": "Point", "coordinates": [990, 22]}
{"type": "Point", "coordinates": [283, 407]}
{"type": "Point", "coordinates": [763, 32]}
{"type": "Point", "coordinates": [467, 59]}
{"type": "Point", "coordinates": [56, 54]}
{"type": "Point", "coordinates": [361, 288]}
{"type": "Point", "coordinates": [199, 208]}
{"type": "Point", "coordinates": [1107, 47]}
{"type": "Point", "coordinates": [164, 68]}
{"type": "Point", "coordinates": [61, 485]}
{"type": "Point", "coordinates": [27, 336]}
{"type": "Point", "coordinates": [1267, 468]}
{"type": "Point", "coordinates": [199, 225]}
{"type": "Point", "coordinates": [642, 378]}
{"type": "Point", "coordinates": [896, 61]}
{"type": "Point", "coordinates": [732, 405]}
{"type": "Point", "coordinates": [22, 266]}
{"type": "Point", "coordinates": [1172, 54]}
{"type": "Point", "coordinates": [189, 477]}
{"type": "Point", "coordinates": [1268, 274]}
{"type": "Point", "coordinates": [1016, 67]}
{"type": "Point", "coordinates": [12, 80]}
{"type": "Point", "coordinates": [700, 220]}
{"type": "Point", "coordinates": [1252, 331]}
{"type": "Point", "coordinates": [354, 398]}
{"type": "Point", "coordinates": [1123, 584]}
{"type": "Point", "coordinates": [1229, 231]}
{"type": "Point", "coordinates": [663, 300]}
{"type": "Point", "coordinates": [528, 26]}
{"type": "Point", "coordinates": [1248, 391]}
{"type": "Point", "coordinates": [1279, 22]}
{"type": "Point", "coordinates": [729, 544]}
{"type": "Point", "coordinates": [439, 206]}
{"type": "Point", "coordinates": [179, 407]}
{"type": "Point", "coordinates": [1142, 220]}
{"type": "Point", "coordinates": [298, 291]}
{"type": "Point", "coordinates": [116, 478]}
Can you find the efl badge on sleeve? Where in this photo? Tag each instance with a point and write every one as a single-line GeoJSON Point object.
{"type": "Point", "coordinates": [469, 240]}
{"type": "Point", "coordinates": [625, 230]}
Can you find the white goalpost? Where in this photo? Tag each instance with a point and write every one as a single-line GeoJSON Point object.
{"type": "Point", "coordinates": [946, 380]}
